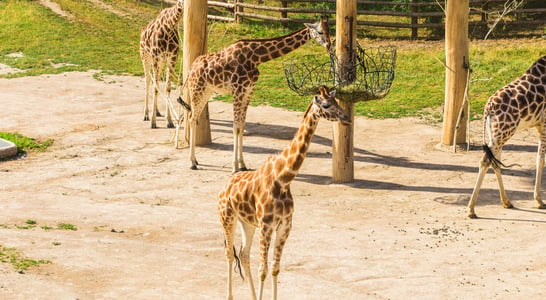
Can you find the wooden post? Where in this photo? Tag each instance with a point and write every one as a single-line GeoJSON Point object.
{"type": "Point", "coordinates": [456, 70]}
{"type": "Point", "coordinates": [342, 144]}
{"type": "Point", "coordinates": [237, 9]}
{"type": "Point", "coordinates": [414, 19]}
{"type": "Point", "coordinates": [195, 44]}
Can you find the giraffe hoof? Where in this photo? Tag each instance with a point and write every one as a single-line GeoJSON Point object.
{"type": "Point", "coordinates": [243, 169]}
{"type": "Point", "coordinates": [472, 216]}
{"type": "Point", "coordinates": [194, 167]}
{"type": "Point", "coordinates": [158, 114]}
{"type": "Point", "coordinates": [170, 125]}
{"type": "Point", "coordinates": [542, 206]}
{"type": "Point", "coordinates": [153, 126]}
{"type": "Point", "coordinates": [508, 206]}
{"type": "Point", "coordinates": [146, 118]}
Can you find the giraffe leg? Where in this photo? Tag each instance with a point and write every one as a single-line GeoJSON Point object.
{"type": "Point", "coordinates": [265, 240]}
{"type": "Point", "coordinates": [193, 128]}
{"type": "Point", "coordinates": [148, 78]}
{"type": "Point", "coordinates": [241, 99]}
{"type": "Point", "coordinates": [540, 165]}
{"type": "Point", "coordinates": [238, 161]}
{"type": "Point", "coordinates": [280, 239]}
{"type": "Point", "coordinates": [504, 199]}
{"type": "Point", "coordinates": [244, 255]}
{"type": "Point", "coordinates": [170, 71]}
{"type": "Point", "coordinates": [484, 166]}
{"type": "Point", "coordinates": [155, 112]}
{"type": "Point", "coordinates": [228, 224]}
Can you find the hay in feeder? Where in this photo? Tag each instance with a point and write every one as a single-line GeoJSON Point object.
{"type": "Point", "coordinates": [369, 76]}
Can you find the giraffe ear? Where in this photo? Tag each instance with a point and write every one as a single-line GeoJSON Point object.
{"type": "Point", "coordinates": [310, 25]}
{"type": "Point", "coordinates": [333, 94]}
{"type": "Point", "coordinates": [323, 90]}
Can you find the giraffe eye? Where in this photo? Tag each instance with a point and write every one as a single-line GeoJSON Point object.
{"type": "Point", "coordinates": [325, 105]}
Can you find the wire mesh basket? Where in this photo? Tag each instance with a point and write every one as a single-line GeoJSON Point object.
{"type": "Point", "coordinates": [368, 77]}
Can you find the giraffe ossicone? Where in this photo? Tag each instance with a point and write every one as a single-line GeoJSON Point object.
{"type": "Point", "coordinates": [262, 199]}
{"type": "Point", "coordinates": [519, 105]}
{"type": "Point", "coordinates": [159, 47]}
{"type": "Point", "coordinates": [234, 70]}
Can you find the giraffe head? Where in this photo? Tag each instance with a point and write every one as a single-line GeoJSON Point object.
{"type": "Point", "coordinates": [320, 31]}
{"type": "Point", "coordinates": [324, 105]}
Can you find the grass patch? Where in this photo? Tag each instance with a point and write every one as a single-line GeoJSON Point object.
{"type": "Point", "coordinates": [66, 226]}
{"type": "Point", "coordinates": [29, 224]}
{"type": "Point", "coordinates": [17, 260]}
{"type": "Point", "coordinates": [25, 143]}
{"type": "Point", "coordinates": [101, 40]}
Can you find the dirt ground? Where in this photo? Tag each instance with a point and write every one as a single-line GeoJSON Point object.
{"type": "Point", "coordinates": [147, 226]}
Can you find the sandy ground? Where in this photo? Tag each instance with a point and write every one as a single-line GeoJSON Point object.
{"type": "Point", "coordinates": [147, 226]}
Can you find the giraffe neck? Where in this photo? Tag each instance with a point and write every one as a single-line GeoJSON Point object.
{"type": "Point", "coordinates": [288, 163]}
{"type": "Point", "coordinates": [268, 49]}
{"type": "Point", "coordinates": [174, 14]}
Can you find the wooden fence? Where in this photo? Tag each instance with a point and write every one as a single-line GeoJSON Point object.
{"type": "Point", "coordinates": [411, 15]}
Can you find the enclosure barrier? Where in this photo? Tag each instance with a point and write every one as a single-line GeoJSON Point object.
{"type": "Point", "coordinates": [412, 14]}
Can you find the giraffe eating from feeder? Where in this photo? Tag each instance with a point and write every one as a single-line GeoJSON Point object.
{"type": "Point", "coordinates": [234, 70]}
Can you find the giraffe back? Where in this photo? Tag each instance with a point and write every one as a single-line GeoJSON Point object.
{"type": "Point", "coordinates": [519, 104]}
{"type": "Point", "coordinates": [160, 37]}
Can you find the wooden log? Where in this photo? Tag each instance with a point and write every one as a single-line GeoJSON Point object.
{"type": "Point", "coordinates": [456, 47]}
{"type": "Point", "coordinates": [195, 44]}
{"type": "Point", "coordinates": [342, 142]}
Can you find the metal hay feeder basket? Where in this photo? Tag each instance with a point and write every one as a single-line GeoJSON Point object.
{"type": "Point", "coordinates": [368, 77]}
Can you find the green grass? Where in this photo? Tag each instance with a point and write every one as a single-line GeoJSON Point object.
{"type": "Point", "coordinates": [25, 143]}
{"type": "Point", "coordinates": [17, 260]}
{"type": "Point", "coordinates": [101, 40]}
{"type": "Point", "coordinates": [66, 226]}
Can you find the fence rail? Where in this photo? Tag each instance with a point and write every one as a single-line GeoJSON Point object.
{"type": "Point", "coordinates": [411, 14]}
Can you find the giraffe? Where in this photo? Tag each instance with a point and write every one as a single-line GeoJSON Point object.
{"type": "Point", "coordinates": [262, 199]}
{"type": "Point", "coordinates": [234, 70]}
{"type": "Point", "coordinates": [519, 105]}
{"type": "Point", "coordinates": [159, 45]}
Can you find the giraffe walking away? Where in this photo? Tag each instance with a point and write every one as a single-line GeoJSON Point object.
{"type": "Point", "coordinates": [519, 105]}
{"type": "Point", "coordinates": [261, 199]}
{"type": "Point", "coordinates": [235, 70]}
{"type": "Point", "coordinates": [159, 46]}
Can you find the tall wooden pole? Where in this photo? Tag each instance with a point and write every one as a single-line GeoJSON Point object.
{"type": "Point", "coordinates": [456, 70]}
{"type": "Point", "coordinates": [342, 152]}
{"type": "Point", "coordinates": [195, 44]}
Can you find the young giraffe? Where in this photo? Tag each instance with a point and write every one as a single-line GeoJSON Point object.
{"type": "Point", "coordinates": [235, 70]}
{"type": "Point", "coordinates": [520, 104]}
{"type": "Point", "coordinates": [262, 199]}
{"type": "Point", "coordinates": [159, 45]}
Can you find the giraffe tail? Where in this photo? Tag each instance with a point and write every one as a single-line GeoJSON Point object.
{"type": "Point", "coordinates": [495, 161]}
{"type": "Point", "coordinates": [491, 157]}
{"type": "Point", "coordinates": [237, 264]}
{"type": "Point", "coordinates": [183, 103]}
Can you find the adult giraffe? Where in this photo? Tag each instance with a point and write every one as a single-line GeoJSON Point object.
{"type": "Point", "coordinates": [518, 105]}
{"type": "Point", "coordinates": [234, 70]}
{"type": "Point", "coordinates": [159, 46]}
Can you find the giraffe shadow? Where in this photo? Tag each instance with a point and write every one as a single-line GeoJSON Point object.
{"type": "Point", "coordinates": [282, 132]}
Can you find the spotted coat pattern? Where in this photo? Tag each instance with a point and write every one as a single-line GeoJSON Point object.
{"type": "Point", "coordinates": [519, 105]}
{"type": "Point", "coordinates": [262, 199]}
{"type": "Point", "coordinates": [234, 70]}
{"type": "Point", "coordinates": [159, 47]}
